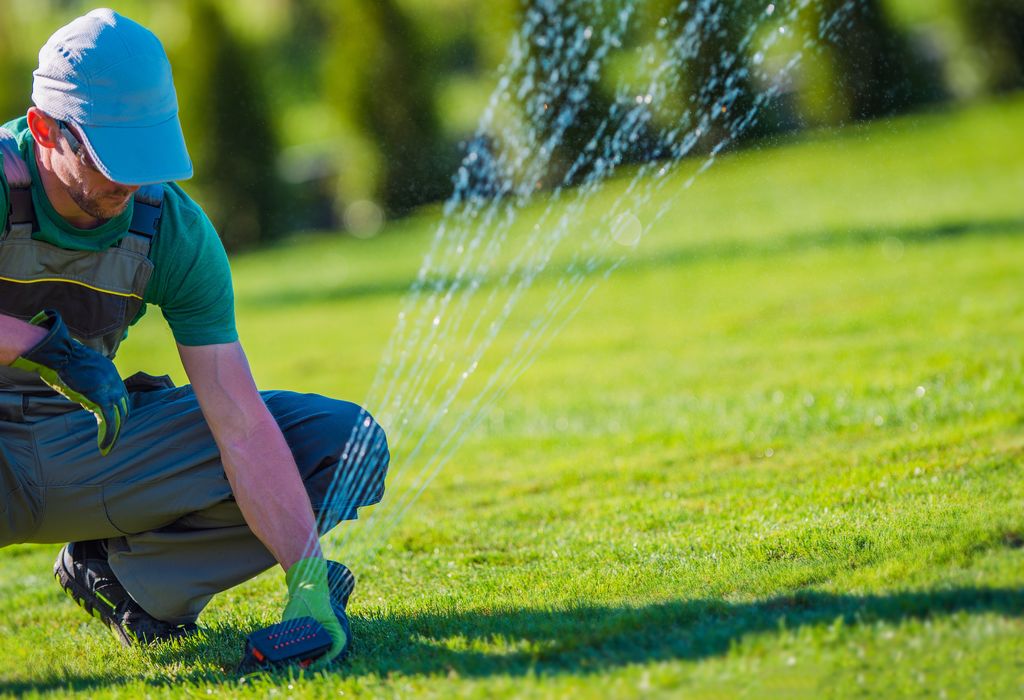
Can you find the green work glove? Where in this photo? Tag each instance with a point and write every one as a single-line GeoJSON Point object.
{"type": "Point", "coordinates": [80, 374]}
{"type": "Point", "coordinates": [309, 596]}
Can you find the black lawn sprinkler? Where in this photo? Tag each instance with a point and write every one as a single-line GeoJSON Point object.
{"type": "Point", "coordinates": [300, 642]}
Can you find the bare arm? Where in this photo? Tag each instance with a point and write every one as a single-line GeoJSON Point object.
{"type": "Point", "coordinates": [16, 338]}
{"type": "Point", "coordinates": [260, 467]}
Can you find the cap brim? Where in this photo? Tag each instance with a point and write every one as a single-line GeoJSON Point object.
{"type": "Point", "coordinates": [136, 155]}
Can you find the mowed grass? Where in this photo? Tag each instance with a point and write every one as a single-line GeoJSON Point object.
{"type": "Point", "coordinates": [777, 454]}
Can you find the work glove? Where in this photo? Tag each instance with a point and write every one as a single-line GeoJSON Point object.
{"type": "Point", "coordinates": [80, 374]}
{"type": "Point", "coordinates": [309, 596]}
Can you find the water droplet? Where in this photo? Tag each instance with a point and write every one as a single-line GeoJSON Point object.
{"type": "Point", "coordinates": [588, 32]}
{"type": "Point", "coordinates": [363, 218]}
{"type": "Point", "coordinates": [893, 249]}
{"type": "Point", "coordinates": [627, 230]}
{"type": "Point", "coordinates": [437, 320]}
{"type": "Point", "coordinates": [920, 391]}
{"type": "Point", "coordinates": [771, 9]}
{"type": "Point", "coordinates": [782, 30]}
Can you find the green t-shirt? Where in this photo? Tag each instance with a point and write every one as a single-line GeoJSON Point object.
{"type": "Point", "coordinates": [191, 281]}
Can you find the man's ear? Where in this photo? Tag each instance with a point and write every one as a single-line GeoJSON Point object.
{"type": "Point", "coordinates": [43, 127]}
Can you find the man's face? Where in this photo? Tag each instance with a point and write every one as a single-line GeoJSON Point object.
{"type": "Point", "coordinates": [87, 186]}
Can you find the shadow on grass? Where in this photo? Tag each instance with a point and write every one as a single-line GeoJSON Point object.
{"type": "Point", "coordinates": [585, 639]}
{"type": "Point", "coordinates": [683, 255]}
{"type": "Point", "coordinates": [579, 639]}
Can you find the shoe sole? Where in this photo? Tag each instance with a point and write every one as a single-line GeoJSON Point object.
{"type": "Point", "coordinates": [85, 600]}
{"type": "Point", "coordinates": [90, 602]}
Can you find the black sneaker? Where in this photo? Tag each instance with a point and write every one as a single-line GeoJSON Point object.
{"type": "Point", "coordinates": [341, 583]}
{"type": "Point", "coordinates": [82, 571]}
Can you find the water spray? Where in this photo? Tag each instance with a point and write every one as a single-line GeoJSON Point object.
{"type": "Point", "coordinates": [553, 68]}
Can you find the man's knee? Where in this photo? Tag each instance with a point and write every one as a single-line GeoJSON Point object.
{"type": "Point", "coordinates": [341, 451]}
{"type": "Point", "coordinates": [363, 464]}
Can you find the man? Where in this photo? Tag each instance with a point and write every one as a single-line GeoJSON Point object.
{"type": "Point", "coordinates": [193, 489]}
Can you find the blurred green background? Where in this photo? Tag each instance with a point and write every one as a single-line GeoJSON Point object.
{"type": "Point", "coordinates": [327, 115]}
{"type": "Point", "coordinates": [775, 455]}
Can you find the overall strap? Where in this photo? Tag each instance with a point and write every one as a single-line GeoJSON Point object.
{"type": "Point", "coordinates": [21, 214]}
{"type": "Point", "coordinates": [146, 212]}
{"type": "Point", "coordinates": [15, 169]}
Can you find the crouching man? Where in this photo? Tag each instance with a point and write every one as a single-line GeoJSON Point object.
{"type": "Point", "coordinates": [168, 495]}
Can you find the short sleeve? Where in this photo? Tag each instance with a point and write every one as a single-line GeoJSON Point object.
{"type": "Point", "coordinates": [191, 280]}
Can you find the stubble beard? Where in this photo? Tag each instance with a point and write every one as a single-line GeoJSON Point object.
{"type": "Point", "coordinates": [97, 207]}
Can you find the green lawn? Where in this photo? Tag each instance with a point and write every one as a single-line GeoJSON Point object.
{"type": "Point", "coordinates": [776, 454]}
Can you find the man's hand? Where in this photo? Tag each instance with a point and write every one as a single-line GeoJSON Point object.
{"type": "Point", "coordinates": [80, 374]}
{"type": "Point", "coordinates": [309, 596]}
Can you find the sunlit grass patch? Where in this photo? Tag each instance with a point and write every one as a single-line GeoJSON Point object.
{"type": "Point", "coordinates": [776, 454]}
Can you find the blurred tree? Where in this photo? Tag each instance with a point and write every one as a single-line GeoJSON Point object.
{"type": "Point", "coordinates": [370, 95]}
{"type": "Point", "coordinates": [494, 23]}
{"type": "Point", "coordinates": [381, 80]}
{"type": "Point", "coordinates": [878, 70]}
{"type": "Point", "coordinates": [713, 90]}
{"type": "Point", "coordinates": [561, 108]}
{"type": "Point", "coordinates": [228, 128]}
{"type": "Point", "coordinates": [295, 53]}
{"type": "Point", "coordinates": [998, 29]}
{"type": "Point", "coordinates": [15, 71]}
{"type": "Point", "coordinates": [717, 80]}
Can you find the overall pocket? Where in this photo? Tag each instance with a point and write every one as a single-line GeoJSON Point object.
{"type": "Point", "coordinates": [73, 512]}
{"type": "Point", "coordinates": [19, 514]}
{"type": "Point", "coordinates": [142, 506]}
{"type": "Point", "coordinates": [20, 498]}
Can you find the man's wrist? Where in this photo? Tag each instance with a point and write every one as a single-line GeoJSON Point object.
{"type": "Point", "coordinates": [18, 337]}
{"type": "Point", "coordinates": [289, 562]}
{"type": "Point", "coordinates": [309, 569]}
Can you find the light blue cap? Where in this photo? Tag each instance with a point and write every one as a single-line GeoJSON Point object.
{"type": "Point", "coordinates": [110, 76]}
